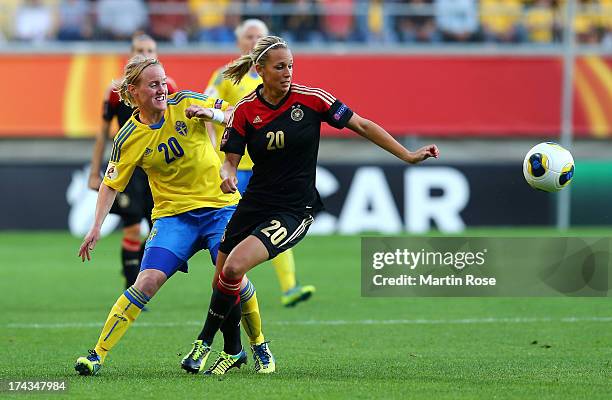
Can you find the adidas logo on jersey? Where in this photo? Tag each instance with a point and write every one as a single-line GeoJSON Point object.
{"type": "Point", "coordinates": [257, 120]}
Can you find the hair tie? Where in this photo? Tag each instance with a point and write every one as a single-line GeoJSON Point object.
{"type": "Point", "coordinates": [267, 48]}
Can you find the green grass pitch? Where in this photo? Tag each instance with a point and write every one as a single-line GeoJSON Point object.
{"type": "Point", "coordinates": [337, 345]}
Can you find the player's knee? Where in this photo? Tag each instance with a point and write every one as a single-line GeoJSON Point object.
{"type": "Point", "coordinates": [149, 281]}
{"type": "Point", "coordinates": [232, 269]}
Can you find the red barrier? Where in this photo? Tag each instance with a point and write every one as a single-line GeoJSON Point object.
{"type": "Point", "coordinates": [425, 95]}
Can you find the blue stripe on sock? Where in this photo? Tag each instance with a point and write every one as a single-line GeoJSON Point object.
{"type": "Point", "coordinates": [247, 293]}
{"type": "Point", "coordinates": [244, 289]}
{"type": "Point", "coordinates": [141, 296]}
{"type": "Point", "coordinates": [136, 296]}
{"type": "Point", "coordinates": [133, 299]}
{"type": "Point", "coordinates": [247, 288]}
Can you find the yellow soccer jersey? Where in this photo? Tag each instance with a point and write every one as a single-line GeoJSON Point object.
{"type": "Point", "coordinates": [226, 90]}
{"type": "Point", "coordinates": [540, 23]}
{"type": "Point", "coordinates": [176, 154]}
{"type": "Point", "coordinates": [500, 16]}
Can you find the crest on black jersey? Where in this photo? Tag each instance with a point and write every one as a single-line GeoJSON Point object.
{"type": "Point", "coordinates": [297, 114]}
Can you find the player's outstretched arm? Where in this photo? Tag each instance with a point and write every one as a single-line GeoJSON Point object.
{"type": "Point", "coordinates": [106, 198]}
{"type": "Point", "coordinates": [229, 181]}
{"type": "Point", "coordinates": [209, 114]}
{"type": "Point", "coordinates": [377, 135]}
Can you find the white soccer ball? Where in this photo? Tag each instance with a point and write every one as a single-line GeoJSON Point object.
{"type": "Point", "coordinates": [548, 167]}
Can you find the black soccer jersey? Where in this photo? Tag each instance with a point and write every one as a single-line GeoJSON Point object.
{"type": "Point", "coordinates": [114, 107]}
{"type": "Point", "coordinates": [283, 141]}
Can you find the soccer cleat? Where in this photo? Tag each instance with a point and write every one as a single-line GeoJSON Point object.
{"type": "Point", "coordinates": [299, 293]}
{"type": "Point", "coordinates": [195, 360]}
{"type": "Point", "coordinates": [225, 362]}
{"type": "Point", "coordinates": [264, 360]}
{"type": "Point", "coordinates": [89, 365]}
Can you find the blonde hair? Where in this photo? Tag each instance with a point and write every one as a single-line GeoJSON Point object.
{"type": "Point", "coordinates": [249, 23]}
{"type": "Point", "coordinates": [258, 56]}
{"type": "Point", "coordinates": [131, 73]}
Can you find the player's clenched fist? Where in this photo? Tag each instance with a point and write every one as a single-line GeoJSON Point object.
{"type": "Point", "coordinates": [424, 153]}
{"type": "Point", "coordinates": [229, 184]}
{"type": "Point", "coordinates": [198, 112]}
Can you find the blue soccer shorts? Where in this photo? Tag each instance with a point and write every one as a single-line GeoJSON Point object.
{"type": "Point", "coordinates": [175, 239]}
{"type": "Point", "coordinates": [244, 176]}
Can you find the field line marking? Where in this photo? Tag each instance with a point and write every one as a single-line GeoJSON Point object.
{"type": "Point", "coordinates": [464, 321]}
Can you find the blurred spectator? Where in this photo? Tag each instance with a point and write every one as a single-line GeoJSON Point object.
{"type": "Point", "coordinates": [540, 21]}
{"type": "Point", "coordinates": [34, 21]}
{"type": "Point", "coordinates": [74, 20]}
{"type": "Point", "coordinates": [419, 27]}
{"type": "Point", "coordinates": [257, 9]}
{"type": "Point", "coordinates": [119, 19]}
{"type": "Point", "coordinates": [7, 17]}
{"type": "Point", "coordinates": [457, 20]}
{"type": "Point", "coordinates": [212, 25]}
{"type": "Point", "coordinates": [338, 19]}
{"type": "Point", "coordinates": [302, 26]}
{"type": "Point", "coordinates": [169, 20]}
{"type": "Point", "coordinates": [376, 20]}
{"type": "Point", "coordinates": [606, 23]}
{"type": "Point", "coordinates": [501, 20]}
{"type": "Point", "coordinates": [586, 23]}
{"type": "Point", "coordinates": [307, 21]}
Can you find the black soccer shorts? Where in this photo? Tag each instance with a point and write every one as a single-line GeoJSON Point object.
{"type": "Point", "coordinates": [136, 201]}
{"type": "Point", "coordinates": [278, 230]}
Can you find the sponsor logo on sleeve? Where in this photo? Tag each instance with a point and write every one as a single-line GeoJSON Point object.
{"type": "Point", "coordinates": [111, 172]}
{"type": "Point", "coordinates": [340, 112]}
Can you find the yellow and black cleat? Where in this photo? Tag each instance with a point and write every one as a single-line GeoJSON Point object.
{"type": "Point", "coordinates": [195, 360]}
{"type": "Point", "coordinates": [225, 362]}
{"type": "Point", "coordinates": [89, 365]}
{"type": "Point", "coordinates": [299, 293]}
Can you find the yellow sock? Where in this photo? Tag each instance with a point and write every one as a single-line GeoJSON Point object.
{"type": "Point", "coordinates": [284, 264]}
{"type": "Point", "coordinates": [125, 310]}
{"type": "Point", "coordinates": [251, 320]}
